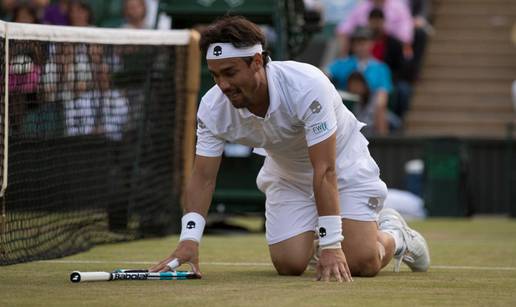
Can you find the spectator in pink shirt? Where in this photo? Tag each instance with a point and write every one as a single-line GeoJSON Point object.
{"type": "Point", "coordinates": [398, 23]}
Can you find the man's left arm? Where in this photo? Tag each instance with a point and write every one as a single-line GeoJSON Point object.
{"type": "Point", "coordinates": [323, 156]}
{"type": "Point", "coordinates": [332, 261]}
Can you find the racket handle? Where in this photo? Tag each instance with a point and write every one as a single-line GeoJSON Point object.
{"type": "Point", "coordinates": [77, 276]}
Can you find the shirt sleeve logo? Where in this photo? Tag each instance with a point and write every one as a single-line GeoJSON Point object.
{"type": "Point", "coordinates": [319, 128]}
{"type": "Point", "coordinates": [315, 107]}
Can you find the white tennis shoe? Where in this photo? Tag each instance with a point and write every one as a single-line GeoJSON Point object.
{"type": "Point", "coordinates": [415, 251]}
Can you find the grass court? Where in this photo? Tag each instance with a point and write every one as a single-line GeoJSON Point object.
{"type": "Point", "coordinates": [473, 264]}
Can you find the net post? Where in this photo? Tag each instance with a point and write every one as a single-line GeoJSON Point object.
{"type": "Point", "coordinates": [192, 91]}
{"type": "Point", "coordinates": [5, 120]}
{"type": "Point", "coordinates": [3, 228]}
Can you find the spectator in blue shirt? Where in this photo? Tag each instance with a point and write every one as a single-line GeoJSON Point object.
{"type": "Point", "coordinates": [376, 73]}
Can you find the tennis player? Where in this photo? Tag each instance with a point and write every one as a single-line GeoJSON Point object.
{"type": "Point", "coordinates": [318, 176]}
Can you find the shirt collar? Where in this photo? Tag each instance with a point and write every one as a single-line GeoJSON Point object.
{"type": "Point", "coordinates": [274, 98]}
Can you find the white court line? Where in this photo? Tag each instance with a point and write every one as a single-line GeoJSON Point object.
{"type": "Point", "coordinates": [461, 267]}
{"type": "Point", "coordinates": [153, 262]}
{"type": "Point", "coordinates": [438, 267]}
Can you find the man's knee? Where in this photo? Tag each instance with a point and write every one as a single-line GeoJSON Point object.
{"type": "Point", "coordinates": [290, 268]}
{"type": "Point", "coordinates": [291, 257]}
{"type": "Point", "coordinates": [367, 266]}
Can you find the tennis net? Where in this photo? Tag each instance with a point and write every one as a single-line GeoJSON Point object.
{"type": "Point", "coordinates": [97, 136]}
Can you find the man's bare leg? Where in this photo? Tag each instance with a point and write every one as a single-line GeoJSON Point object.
{"type": "Point", "coordinates": [367, 249]}
{"type": "Point", "coordinates": [291, 257]}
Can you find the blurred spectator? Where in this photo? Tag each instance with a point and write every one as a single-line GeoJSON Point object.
{"type": "Point", "coordinates": [389, 50]}
{"type": "Point", "coordinates": [57, 13]}
{"type": "Point", "coordinates": [420, 10]}
{"type": "Point", "coordinates": [7, 8]}
{"type": "Point", "coordinates": [25, 67]}
{"type": "Point", "coordinates": [80, 114]}
{"type": "Point", "coordinates": [80, 14]}
{"type": "Point", "coordinates": [398, 23]}
{"type": "Point", "coordinates": [113, 105]}
{"type": "Point", "coordinates": [163, 21]}
{"type": "Point", "coordinates": [376, 116]}
{"type": "Point", "coordinates": [40, 6]}
{"type": "Point", "coordinates": [134, 14]}
{"type": "Point", "coordinates": [79, 68]}
{"type": "Point", "coordinates": [337, 10]}
{"type": "Point", "coordinates": [24, 13]}
{"type": "Point", "coordinates": [100, 110]}
{"type": "Point", "coordinates": [43, 117]}
{"type": "Point", "coordinates": [376, 73]}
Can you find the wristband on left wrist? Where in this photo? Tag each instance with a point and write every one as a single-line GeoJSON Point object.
{"type": "Point", "coordinates": [330, 231]}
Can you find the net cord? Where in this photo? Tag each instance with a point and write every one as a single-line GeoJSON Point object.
{"type": "Point", "coordinates": [20, 31]}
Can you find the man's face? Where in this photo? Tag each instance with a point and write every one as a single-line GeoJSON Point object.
{"type": "Point", "coordinates": [237, 79]}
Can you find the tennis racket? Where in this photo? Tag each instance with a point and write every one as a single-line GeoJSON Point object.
{"type": "Point", "coordinates": [123, 274]}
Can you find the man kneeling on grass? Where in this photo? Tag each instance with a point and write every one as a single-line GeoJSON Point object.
{"type": "Point", "coordinates": [318, 175]}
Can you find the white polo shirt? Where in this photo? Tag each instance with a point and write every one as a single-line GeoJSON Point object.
{"type": "Point", "coordinates": [305, 109]}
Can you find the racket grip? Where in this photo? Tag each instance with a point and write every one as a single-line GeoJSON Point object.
{"type": "Point", "coordinates": [77, 276]}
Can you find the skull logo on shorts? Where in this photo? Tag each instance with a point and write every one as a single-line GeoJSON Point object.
{"type": "Point", "coordinates": [190, 225]}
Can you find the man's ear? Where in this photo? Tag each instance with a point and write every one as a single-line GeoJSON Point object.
{"type": "Point", "coordinates": [257, 61]}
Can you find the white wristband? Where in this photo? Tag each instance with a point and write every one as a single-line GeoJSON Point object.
{"type": "Point", "coordinates": [332, 246]}
{"type": "Point", "coordinates": [192, 227]}
{"type": "Point", "coordinates": [330, 231]}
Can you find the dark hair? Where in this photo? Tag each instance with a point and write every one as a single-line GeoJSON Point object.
{"type": "Point", "coordinates": [236, 30]}
{"type": "Point", "coordinates": [358, 76]}
{"type": "Point", "coordinates": [376, 13]}
{"type": "Point", "coordinates": [85, 6]}
{"type": "Point", "coordinates": [362, 33]}
{"type": "Point", "coordinates": [25, 6]}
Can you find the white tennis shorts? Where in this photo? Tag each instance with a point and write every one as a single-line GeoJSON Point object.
{"type": "Point", "coordinates": [290, 207]}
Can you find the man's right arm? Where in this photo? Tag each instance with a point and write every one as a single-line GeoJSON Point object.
{"type": "Point", "coordinates": [198, 194]}
{"type": "Point", "coordinates": [201, 185]}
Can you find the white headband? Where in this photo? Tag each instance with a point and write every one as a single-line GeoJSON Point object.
{"type": "Point", "coordinates": [227, 50]}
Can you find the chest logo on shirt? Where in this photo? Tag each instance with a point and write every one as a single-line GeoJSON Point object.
{"type": "Point", "coordinates": [315, 107]}
{"type": "Point", "coordinates": [319, 128]}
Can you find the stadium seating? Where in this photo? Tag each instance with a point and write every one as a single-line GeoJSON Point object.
{"type": "Point", "coordinates": [469, 67]}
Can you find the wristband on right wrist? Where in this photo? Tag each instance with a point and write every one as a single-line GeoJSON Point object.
{"type": "Point", "coordinates": [192, 227]}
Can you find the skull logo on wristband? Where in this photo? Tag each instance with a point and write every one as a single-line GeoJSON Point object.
{"type": "Point", "coordinates": [322, 232]}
